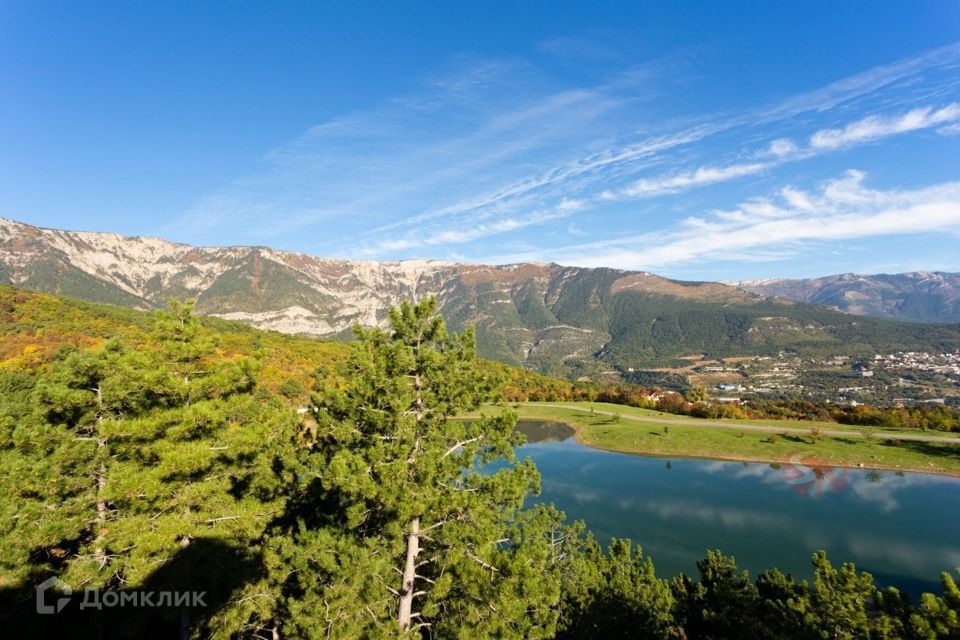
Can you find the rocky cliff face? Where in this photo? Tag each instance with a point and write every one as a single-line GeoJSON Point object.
{"type": "Point", "coordinates": [271, 289]}
{"type": "Point", "coordinates": [298, 293]}
{"type": "Point", "coordinates": [559, 320]}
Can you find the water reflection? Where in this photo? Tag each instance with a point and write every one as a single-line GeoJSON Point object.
{"type": "Point", "coordinates": [545, 431]}
{"type": "Point", "coordinates": [812, 480]}
{"type": "Point", "coordinates": [902, 527]}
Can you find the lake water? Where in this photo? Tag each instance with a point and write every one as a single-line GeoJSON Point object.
{"type": "Point", "coordinates": [904, 528]}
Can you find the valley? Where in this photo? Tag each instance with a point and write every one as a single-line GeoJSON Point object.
{"type": "Point", "coordinates": [904, 379]}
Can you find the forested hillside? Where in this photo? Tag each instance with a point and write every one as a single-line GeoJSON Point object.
{"type": "Point", "coordinates": [148, 456]}
{"type": "Point", "coordinates": [37, 328]}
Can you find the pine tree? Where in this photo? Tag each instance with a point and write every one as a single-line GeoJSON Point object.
{"type": "Point", "coordinates": [840, 599]}
{"type": "Point", "coordinates": [62, 452]}
{"type": "Point", "coordinates": [136, 459]}
{"type": "Point", "coordinates": [722, 604]}
{"type": "Point", "coordinates": [614, 595]}
{"type": "Point", "coordinates": [938, 616]}
{"type": "Point", "coordinates": [407, 519]}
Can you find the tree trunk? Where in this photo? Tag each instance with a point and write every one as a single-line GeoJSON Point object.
{"type": "Point", "coordinates": [405, 615]}
{"type": "Point", "coordinates": [409, 575]}
{"type": "Point", "coordinates": [100, 478]}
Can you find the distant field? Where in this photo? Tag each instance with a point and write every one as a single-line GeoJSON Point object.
{"type": "Point", "coordinates": [659, 417]}
{"type": "Point", "coordinates": [642, 431]}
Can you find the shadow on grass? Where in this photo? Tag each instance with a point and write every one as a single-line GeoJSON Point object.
{"type": "Point", "coordinates": [932, 449]}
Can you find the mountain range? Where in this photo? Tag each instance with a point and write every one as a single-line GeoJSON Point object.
{"type": "Point", "coordinates": [576, 322]}
{"type": "Point", "coordinates": [921, 296]}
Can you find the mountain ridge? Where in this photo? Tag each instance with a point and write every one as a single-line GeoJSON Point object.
{"type": "Point", "coordinates": [555, 319]}
{"type": "Point", "coordinates": [916, 296]}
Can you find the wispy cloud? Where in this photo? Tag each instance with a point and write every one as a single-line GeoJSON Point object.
{"type": "Point", "coordinates": [949, 130]}
{"type": "Point", "coordinates": [781, 147]}
{"type": "Point", "coordinates": [649, 187]}
{"type": "Point", "coordinates": [874, 127]}
{"type": "Point", "coordinates": [864, 83]}
{"type": "Point", "coordinates": [783, 150]}
{"type": "Point", "coordinates": [841, 209]}
{"type": "Point", "coordinates": [498, 151]}
{"type": "Point", "coordinates": [460, 138]}
{"type": "Point", "coordinates": [457, 236]}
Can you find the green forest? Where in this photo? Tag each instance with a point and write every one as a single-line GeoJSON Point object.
{"type": "Point", "coordinates": [320, 490]}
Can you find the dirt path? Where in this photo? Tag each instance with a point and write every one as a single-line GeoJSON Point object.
{"type": "Point", "coordinates": [701, 422]}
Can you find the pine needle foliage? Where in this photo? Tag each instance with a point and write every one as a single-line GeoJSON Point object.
{"type": "Point", "coordinates": [408, 520]}
{"type": "Point", "coordinates": [127, 457]}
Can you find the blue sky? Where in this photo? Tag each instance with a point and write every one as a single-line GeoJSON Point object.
{"type": "Point", "coordinates": [715, 140]}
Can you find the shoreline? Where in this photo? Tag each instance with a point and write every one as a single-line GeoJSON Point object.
{"type": "Point", "coordinates": [862, 466]}
{"type": "Point", "coordinates": [584, 435]}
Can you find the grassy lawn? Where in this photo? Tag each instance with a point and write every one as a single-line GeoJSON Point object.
{"type": "Point", "coordinates": [804, 425]}
{"type": "Point", "coordinates": [684, 440]}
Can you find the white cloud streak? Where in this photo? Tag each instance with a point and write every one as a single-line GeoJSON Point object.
{"type": "Point", "coordinates": [875, 127]}
{"type": "Point", "coordinates": [784, 150]}
{"type": "Point", "coordinates": [494, 148]}
{"type": "Point", "coordinates": [782, 147]}
{"type": "Point", "coordinates": [457, 236]}
{"type": "Point", "coordinates": [949, 130]}
{"type": "Point", "coordinates": [646, 188]}
{"type": "Point", "coordinates": [842, 209]}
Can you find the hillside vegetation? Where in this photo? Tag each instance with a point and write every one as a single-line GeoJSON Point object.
{"type": "Point", "coordinates": [562, 321]}
{"type": "Point", "coordinates": [143, 460]}
{"type": "Point", "coordinates": [37, 328]}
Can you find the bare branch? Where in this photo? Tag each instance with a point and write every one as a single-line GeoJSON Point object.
{"type": "Point", "coordinates": [212, 520]}
{"type": "Point", "coordinates": [482, 563]}
{"type": "Point", "coordinates": [433, 558]}
{"type": "Point", "coordinates": [435, 525]}
{"type": "Point", "coordinates": [461, 444]}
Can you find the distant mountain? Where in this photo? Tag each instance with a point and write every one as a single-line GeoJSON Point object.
{"type": "Point", "coordinates": [554, 319]}
{"type": "Point", "coordinates": [919, 297]}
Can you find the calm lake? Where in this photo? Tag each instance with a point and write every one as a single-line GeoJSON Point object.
{"type": "Point", "coordinates": [904, 528]}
